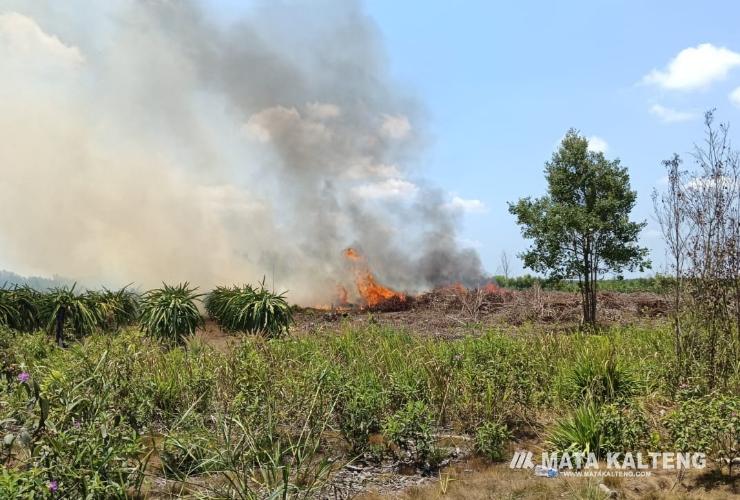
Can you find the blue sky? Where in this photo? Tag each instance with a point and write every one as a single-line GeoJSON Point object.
{"type": "Point", "coordinates": [501, 83]}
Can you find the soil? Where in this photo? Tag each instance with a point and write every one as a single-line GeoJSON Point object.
{"type": "Point", "coordinates": [452, 312]}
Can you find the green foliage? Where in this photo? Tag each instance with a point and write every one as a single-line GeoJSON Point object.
{"type": "Point", "coordinates": [359, 410]}
{"type": "Point", "coordinates": [709, 424]}
{"type": "Point", "coordinates": [20, 307]}
{"type": "Point", "coordinates": [247, 309]}
{"type": "Point", "coordinates": [188, 453]}
{"type": "Point", "coordinates": [9, 314]}
{"type": "Point", "coordinates": [624, 427]}
{"type": "Point", "coordinates": [116, 308]}
{"type": "Point", "coordinates": [654, 284]}
{"type": "Point", "coordinates": [581, 228]}
{"type": "Point", "coordinates": [169, 313]}
{"type": "Point", "coordinates": [97, 459]}
{"type": "Point", "coordinates": [21, 484]}
{"type": "Point", "coordinates": [580, 432]}
{"type": "Point", "coordinates": [597, 374]}
{"type": "Point", "coordinates": [410, 429]}
{"type": "Point", "coordinates": [252, 422]}
{"type": "Point", "coordinates": [612, 427]}
{"type": "Point", "coordinates": [63, 306]}
{"type": "Point", "coordinates": [491, 440]}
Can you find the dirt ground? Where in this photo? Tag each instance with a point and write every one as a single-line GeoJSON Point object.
{"type": "Point", "coordinates": [451, 312]}
{"type": "Point", "coordinates": [478, 480]}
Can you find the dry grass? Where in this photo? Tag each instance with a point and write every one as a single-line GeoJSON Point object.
{"type": "Point", "coordinates": [477, 480]}
{"type": "Point", "coordinates": [452, 311]}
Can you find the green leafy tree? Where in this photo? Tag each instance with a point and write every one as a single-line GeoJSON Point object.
{"type": "Point", "coordinates": [581, 228]}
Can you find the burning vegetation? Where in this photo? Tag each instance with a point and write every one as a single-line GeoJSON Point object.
{"type": "Point", "coordinates": [371, 293]}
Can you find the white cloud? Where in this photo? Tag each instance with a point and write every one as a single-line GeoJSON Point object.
{"type": "Point", "coordinates": [468, 206]}
{"type": "Point", "coordinates": [395, 127]}
{"type": "Point", "coordinates": [695, 67]}
{"type": "Point", "coordinates": [469, 243]}
{"type": "Point", "coordinates": [670, 115]}
{"type": "Point", "coordinates": [712, 183]}
{"type": "Point", "coordinates": [597, 144]}
{"type": "Point", "coordinates": [23, 40]}
{"type": "Point", "coordinates": [735, 97]}
{"type": "Point", "coordinates": [389, 188]}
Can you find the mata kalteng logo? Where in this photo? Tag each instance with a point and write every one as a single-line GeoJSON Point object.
{"type": "Point", "coordinates": [554, 461]}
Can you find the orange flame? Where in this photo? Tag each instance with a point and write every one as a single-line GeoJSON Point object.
{"type": "Point", "coordinates": [372, 292]}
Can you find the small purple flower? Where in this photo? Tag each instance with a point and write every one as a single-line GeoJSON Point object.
{"type": "Point", "coordinates": [23, 377]}
{"type": "Point", "coordinates": [53, 486]}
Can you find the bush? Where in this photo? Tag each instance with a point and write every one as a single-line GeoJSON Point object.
{"type": "Point", "coordinates": [491, 439]}
{"type": "Point", "coordinates": [92, 460]}
{"type": "Point", "coordinates": [708, 424]}
{"type": "Point", "coordinates": [597, 374]}
{"type": "Point", "coordinates": [246, 309]}
{"type": "Point", "coordinates": [359, 412]}
{"type": "Point", "coordinates": [169, 313]}
{"type": "Point", "coordinates": [623, 427]}
{"type": "Point", "coordinates": [580, 432]}
{"type": "Point", "coordinates": [410, 429]}
{"type": "Point", "coordinates": [64, 308]}
{"type": "Point", "coordinates": [116, 309]}
{"type": "Point", "coordinates": [591, 428]}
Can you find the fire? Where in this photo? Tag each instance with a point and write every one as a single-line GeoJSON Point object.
{"type": "Point", "coordinates": [342, 295]}
{"type": "Point", "coordinates": [371, 292]}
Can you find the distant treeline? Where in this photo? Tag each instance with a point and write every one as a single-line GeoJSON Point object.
{"type": "Point", "coordinates": [656, 284]}
{"type": "Point", "coordinates": [9, 278]}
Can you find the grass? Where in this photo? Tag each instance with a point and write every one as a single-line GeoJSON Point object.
{"type": "Point", "coordinates": [279, 416]}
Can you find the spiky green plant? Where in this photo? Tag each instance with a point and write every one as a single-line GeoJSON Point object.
{"type": "Point", "coordinates": [19, 308]}
{"type": "Point", "coordinates": [271, 313]}
{"type": "Point", "coordinates": [600, 375]}
{"type": "Point", "coordinates": [246, 309]}
{"type": "Point", "coordinates": [170, 313]}
{"type": "Point", "coordinates": [29, 303]}
{"type": "Point", "coordinates": [9, 314]}
{"type": "Point", "coordinates": [223, 301]}
{"type": "Point", "coordinates": [116, 308]}
{"type": "Point", "coordinates": [580, 432]}
{"type": "Point", "coordinates": [63, 307]}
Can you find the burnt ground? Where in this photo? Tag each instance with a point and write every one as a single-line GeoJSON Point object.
{"type": "Point", "coordinates": [451, 312]}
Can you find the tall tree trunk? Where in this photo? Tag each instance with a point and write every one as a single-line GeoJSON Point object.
{"type": "Point", "coordinates": [587, 295]}
{"type": "Point", "coordinates": [61, 313]}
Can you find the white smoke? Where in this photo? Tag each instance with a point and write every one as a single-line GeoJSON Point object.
{"type": "Point", "coordinates": [143, 142]}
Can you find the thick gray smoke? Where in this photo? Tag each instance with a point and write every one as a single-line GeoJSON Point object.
{"type": "Point", "coordinates": [147, 141]}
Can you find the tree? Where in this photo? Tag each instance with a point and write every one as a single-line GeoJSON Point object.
{"type": "Point", "coordinates": [63, 307]}
{"type": "Point", "coordinates": [699, 214]}
{"type": "Point", "coordinates": [505, 264]}
{"type": "Point", "coordinates": [581, 228]}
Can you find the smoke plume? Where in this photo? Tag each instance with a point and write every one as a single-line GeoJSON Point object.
{"type": "Point", "coordinates": [148, 141]}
